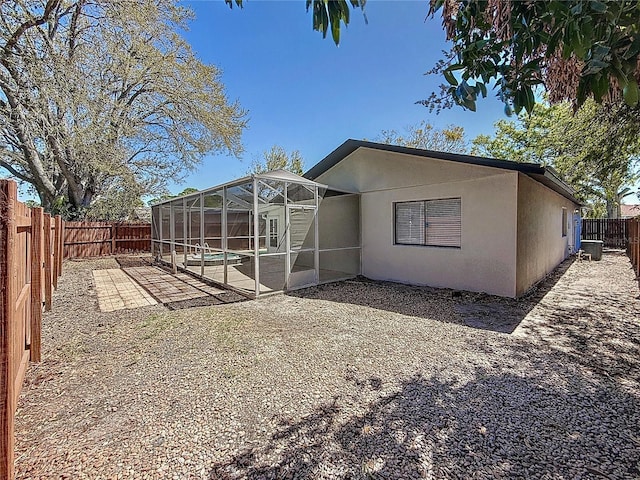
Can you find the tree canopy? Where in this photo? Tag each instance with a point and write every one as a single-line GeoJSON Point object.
{"type": "Point", "coordinates": [573, 49]}
{"type": "Point", "coordinates": [426, 136]}
{"type": "Point", "coordinates": [326, 13]}
{"type": "Point", "coordinates": [167, 196]}
{"type": "Point", "coordinates": [105, 100]}
{"type": "Point", "coordinates": [278, 158]}
{"type": "Point", "coordinates": [595, 150]}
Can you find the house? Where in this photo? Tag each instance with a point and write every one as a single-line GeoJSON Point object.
{"type": "Point", "coordinates": [489, 225]}
{"type": "Point", "coordinates": [383, 211]}
{"type": "Point", "coordinates": [629, 211]}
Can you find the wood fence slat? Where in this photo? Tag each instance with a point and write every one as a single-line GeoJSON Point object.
{"type": "Point", "coordinates": [60, 246]}
{"type": "Point", "coordinates": [91, 239]}
{"type": "Point", "coordinates": [22, 221]}
{"type": "Point", "coordinates": [54, 247]}
{"type": "Point", "coordinates": [48, 272]}
{"type": "Point", "coordinates": [8, 195]}
{"type": "Point", "coordinates": [37, 249]}
{"type": "Point", "coordinates": [26, 258]}
{"type": "Point", "coordinates": [612, 232]}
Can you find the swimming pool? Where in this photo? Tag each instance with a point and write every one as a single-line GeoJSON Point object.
{"type": "Point", "coordinates": [212, 259]}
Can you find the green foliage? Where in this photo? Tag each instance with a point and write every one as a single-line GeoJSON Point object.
{"type": "Point", "coordinates": [426, 136]}
{"type": "Point", "coordinates": [101, 101]}
{"type": "Point", "coordinates": [168, 196]}
{"type": "Point", "coordinates": [277, 158]}
{"type": "Point", "coordinates": [595, 150]}
{"type": "Point", "coordinates": [574, 49]}
{"type": "Point", "coordinates": [326, 13]}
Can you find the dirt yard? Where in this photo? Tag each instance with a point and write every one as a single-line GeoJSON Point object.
{"type": "Point", "coordinates": [350, 380]}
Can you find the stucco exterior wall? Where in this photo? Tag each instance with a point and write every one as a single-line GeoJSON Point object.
{"type": "Point", "coordinates": [339, 228]}
{"type": "Point", "coordinates": [487, 258]}
{"type": "Point", "coordinates": [541, 246]}
{"type": "Point", "coordinates": [369, 169]}
{"type": "Point", "coordinates": [339, 222]}
{"type": "Point", "coordinates": [484, 263]}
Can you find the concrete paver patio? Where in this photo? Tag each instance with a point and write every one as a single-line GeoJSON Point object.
{"type": "Point", "coordinates": [117, 291]}
{"type": "Point", "coordinates": [135, 287]}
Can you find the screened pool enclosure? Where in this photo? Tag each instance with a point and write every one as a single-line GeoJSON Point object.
{"type": "Point", "coordinates": [264, 233]}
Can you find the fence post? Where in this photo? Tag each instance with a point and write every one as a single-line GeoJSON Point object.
{"type": "Point", "coordinates": [56, 242]}
{"type": "Point", "coordinates": [47, 262]}
{"type": "Point", "coordinates": [60, 224]}
{"type": "Point", "coordinates": [8, 197]}
{"type": "Point", "coordinates": [59, 249]}
{"type": "Point", "coordinates": [36, 282]}
{"type": "Point", "coordinates": [114, 233]}
{"type": "Point", "coordinates": [636, 244]}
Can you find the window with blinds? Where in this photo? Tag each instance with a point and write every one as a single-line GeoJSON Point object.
{"type": "Point", "coordinates": [436, 223]}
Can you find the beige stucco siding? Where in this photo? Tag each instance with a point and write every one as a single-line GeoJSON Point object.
{"type": "Point", "coordinates": [367, 170]}
{"type": "Point", "coordinates": [339, 229]}
{"type": "Point", "coordinates": [486, 260]}
{"type": "Point", "coordinates": [339, 222]}
{"type": "Point", "coordinates": [541, 246]}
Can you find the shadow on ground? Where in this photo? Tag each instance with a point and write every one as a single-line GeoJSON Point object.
{"type": "Point", "coordinates": [477, 310]}
{"type": "Point", "coordinates": [130, 261]}
{"type": "Point", "coordinates": [195, 292]}
{"type": "Point", "coordinates": [206, 301]}
{"type": "Point", "coordinates": [549, 420]}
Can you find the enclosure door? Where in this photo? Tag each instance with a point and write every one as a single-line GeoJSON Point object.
{"type": "Point", "coordinates": [275, 233]}
{"type": "Point", "coordinates": [302, 245]}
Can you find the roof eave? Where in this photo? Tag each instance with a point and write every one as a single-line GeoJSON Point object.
{"type": "Point", "coordinates": [534, 170]}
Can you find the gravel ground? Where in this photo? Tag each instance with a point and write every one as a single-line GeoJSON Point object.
{"type": "Point", "coordinates": [356, 379]}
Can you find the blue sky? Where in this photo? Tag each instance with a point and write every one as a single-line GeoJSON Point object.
{"type": "Point", "coordinates": [304, 93]}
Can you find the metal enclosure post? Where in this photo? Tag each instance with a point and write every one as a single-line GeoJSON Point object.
{"type": "Point", "coordinates": [202, 234]}
{"type": "Point", "coordinates": [287, 238]}
{"type": "Point", "coordinates": [223, 235]}
{"type": "Point", "coordinates": [184, 230]}
{"type": "Point", "coordinates": [316, 233]}
{"type": "Point", "coordinates": [172, 233]}
{"type": "Point", "coordinates": [256, 240]}
{"type": "Point", "coordinates": [160, 240]}
{"type": "Point", "coordinates": [359, 236]}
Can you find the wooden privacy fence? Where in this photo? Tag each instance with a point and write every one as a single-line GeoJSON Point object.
{"type": "Point", "coordinates": [633, 246]}
{"type": "Point", "coordinates": [30, 263]}
{"type": "Point", "coordinates": [613, 232]}
{"type": "Point", "coordinates": [93, 239]}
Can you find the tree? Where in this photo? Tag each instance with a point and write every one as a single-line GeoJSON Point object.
{"type": "Point", "coordinates": [325, 13]}
{"type": "Point", "coordinates": [573, 49]}
{"type": "Point", "coordinates": [595, 150]}
{"type": "Point", "coordinates": [424, 135]}
{"type": "Point", "coordinates": [277, 158]}
{"type": "Point", "coordinates": [105, 98]}
{"type": "Point", "coordinates": [167, 196]}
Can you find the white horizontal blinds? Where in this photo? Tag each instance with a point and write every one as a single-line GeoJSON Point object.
{"type": "Point", "coordinates": [443, 222]}
{"type": "Point", "coordinates": [410, 223]}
